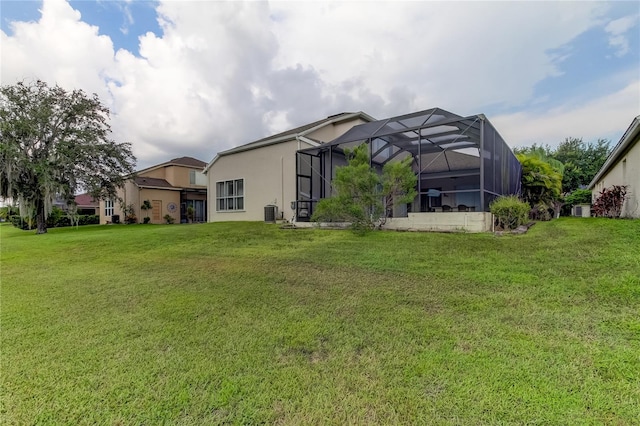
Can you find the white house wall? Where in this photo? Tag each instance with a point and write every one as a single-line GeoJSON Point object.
{"type": "Point", "coordinates": [625, 172]}
{"type": "Point", "coordinates": [269, 175]}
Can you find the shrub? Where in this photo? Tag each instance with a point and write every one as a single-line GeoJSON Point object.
{"type": "Point", "coordinates": [20, 222]}
{"type": "Point", "coordinates": [541, 211]}
{"type": "Point", "coordinates": [7, 212]}
{"type": "Point", "coordinates": [55, 216]}
{"type": "Point", "coordinates": [579, 196]}
{"type": "Point", "coordinates": [55, 220]}
{"type": "Point", "coordinates": [129, 214]}
{"type": "Point", "coordinates": [510, 212]}
{"type": "Point", "coordinates": [169, 219]}
{"type": "Point", "coordinates": [146, 219]}
{"type": "Point", "coordinates": [610, 200]}
{"type": "Point", "coordinates": [89, 219]}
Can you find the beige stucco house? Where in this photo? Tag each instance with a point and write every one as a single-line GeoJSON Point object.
{"type": "Point", "coordinates": [171, 188]}
{"type": "Point", "coordinates": [242, 181]}
{"type": "Point", "coordinates": [623, 168]}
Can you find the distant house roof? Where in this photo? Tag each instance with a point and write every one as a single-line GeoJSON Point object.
{"type": "Point", "coordinates": [630, 138]}
{"type": "Point", "coordinates": [148, 182]}
{"type": "Point", "coordinates": [292, 134]}
{"type": "Point", "coordinates": [186, 161]}
{"type": "Point", "coordinates": [181, 161]}
{"type": "Point", "coordinates": [86, 200]}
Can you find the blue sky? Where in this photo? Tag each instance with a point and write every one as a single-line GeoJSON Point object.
{"type": "Point", "coordinates": [197, 77]}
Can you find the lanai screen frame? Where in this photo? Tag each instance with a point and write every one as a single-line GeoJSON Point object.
{"type": "Point", "coordinates": [452, 146]}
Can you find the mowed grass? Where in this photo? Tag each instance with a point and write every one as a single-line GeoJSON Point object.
{"type": "Point", "coordinates": [245, 323]}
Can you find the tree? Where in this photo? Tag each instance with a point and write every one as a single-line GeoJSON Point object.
{"type": "Point", "coordinates": [363, 197]}
{"type": "Point", "coordinates": [581, 160]}
{"type": "Point", "coordinates": [54, 143]}
{"type": "Point", "coordinates": [579, 196]}
{"type": "Point", "coordinates": [541, 185]}
{"type": "Point", "coordinates": [146, 206]}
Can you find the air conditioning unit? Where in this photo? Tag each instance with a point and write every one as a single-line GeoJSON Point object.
{"type": "Point", "coordinates": [270, 213]}
{"type": "Point", "coordinates": [581, 210]}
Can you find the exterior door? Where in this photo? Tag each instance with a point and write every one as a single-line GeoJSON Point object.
{"type": "Point", "coordinates": [156, 209]}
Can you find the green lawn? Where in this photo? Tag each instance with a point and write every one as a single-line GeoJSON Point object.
{"type": "Point", "coordinates": [246, 323]}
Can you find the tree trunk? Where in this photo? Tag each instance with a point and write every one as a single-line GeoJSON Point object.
{"type": "Point", "coordinates": [41, 218]}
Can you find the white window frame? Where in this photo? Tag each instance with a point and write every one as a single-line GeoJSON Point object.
{"type": "Point", "coordinates": [109, 207]}
{"type": "Point", "coordinates": [230, 195]}
{"type": "Point", "coordinates": [192, 177]}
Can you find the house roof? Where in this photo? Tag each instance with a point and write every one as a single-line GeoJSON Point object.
{"type": "Point", "coordinates": [629, 138]}
{"type": "Point", "coordinates": [181, 161]}
{"type": "Point", "coordinates": [86, 200]}
{"type": "Point", "coordinates": [148, 182]}
{"type": "Point", "coordinates": [186, 161]}
{"type": "Point", "coordinates": [292, 134]}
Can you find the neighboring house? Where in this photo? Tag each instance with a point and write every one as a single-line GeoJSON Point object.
{"type": "Point", "coordinates": [170, 187]}
{"type": "Point", "coordinates": [245, 180]}
{"type": "Point", "coordinates": [622, 167]}
{"type": "Point", "coordinates": [462, 165]}
{"type": "Point", "coordinates": [85, 204]}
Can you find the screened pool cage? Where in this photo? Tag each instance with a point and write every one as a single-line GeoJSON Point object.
{"type": "Point", "coordinates": [462, 163]}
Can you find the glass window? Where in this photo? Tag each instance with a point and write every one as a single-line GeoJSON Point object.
{"type": "Point", "coordinates": [230, 195]}
{"type": "Point", "coordinates": [192, 177]}
{"type": "Point", "coordinates": [108, 207]}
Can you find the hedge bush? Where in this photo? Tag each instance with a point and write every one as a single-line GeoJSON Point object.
{"type": "Point", "coordinates": [54, 221]}
{"type": "Point", "coordinates": [510, 212]}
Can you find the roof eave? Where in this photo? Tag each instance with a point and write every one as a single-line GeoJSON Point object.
{"type": "Point", "coordinates": [287, 137]}
{"type": "Point", "coordinates": [627, 138]}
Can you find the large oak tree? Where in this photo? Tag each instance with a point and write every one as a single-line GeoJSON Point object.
{"type": "Point", "coordinates": [55, 143]}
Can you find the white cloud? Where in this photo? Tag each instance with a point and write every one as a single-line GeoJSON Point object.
{"type": "Point", "coordinates": [605, 117]}
{"type": "Point", "coordinates": [617, 30]}
{"type": "Point", "coordinates": [454, 55]}
{"type": "Point", "coordinates": [225, 73]}
{"type": "Point", "coordinates": [59, 48]}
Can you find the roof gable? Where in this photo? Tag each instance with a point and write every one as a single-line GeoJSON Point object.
{"type": "Point", "coordinates": [181, 161]}
{"type": "Point", "coordinates": [293, 133]}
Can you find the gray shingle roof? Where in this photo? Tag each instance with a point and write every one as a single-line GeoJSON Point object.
{"type": "Point", "coordinates": [155, 182]}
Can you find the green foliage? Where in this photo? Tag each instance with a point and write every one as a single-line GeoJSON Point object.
{"type": "Point", "coordinates": [609, 201]}
{"type": "Point", "coordinates": [582, 161]}
{"type": "Point", "coordinates": [21, 222]}
{"type": "Point", "coordinates": [129, 214]}
{"type": "Point", "coordinates": [579, 196]}
{"type": "Point", "coordinates": [509, 211]}
{"type": "Point", "coordinates": [577, 161]}
{"type": "Point", "coordinates": [541, 185]}
{"type": "Point", "coordinates": [57, 219]}
{"type": "Point", "coordinates": [191, 213]}
{"type": "Point", "coordinates": [362, 195]}
{"type": "Point", "coordinates": [146, 206]}
{"type": "Point", "coordinates": [55, 216]}
{"type": "Point", "coordinates": [398, 183]}
{"type": "Point", "coordinates": [169, 219]}
{"type": "Point", "coordinates": [55, 143]}
{"type": "Point", "coordinates": [8, 211]}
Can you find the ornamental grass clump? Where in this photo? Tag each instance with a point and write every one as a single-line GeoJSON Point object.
{"type": "Point", "coordinates": [510, 212]}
